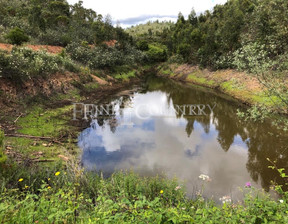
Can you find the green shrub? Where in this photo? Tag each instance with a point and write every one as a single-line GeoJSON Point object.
{"type": "Point", "coordinates": [178, 59]}
{"type": "Point", "coordinates": [23, 63]}
{"type": "Point", "coordinates": [142, 45]}
{"type": "Point", "coordinates": [55, 37]}
{"type": "Point", "coordinates": [157, 53]}
{"type": "Point", "coordinates": [104, 56]}
{"type": "Point", "coordinates": [184, 50]}
{"type": "Point", "coordinates": [17, 36]}
{"type": "Point", "coordinates": [253, 58]}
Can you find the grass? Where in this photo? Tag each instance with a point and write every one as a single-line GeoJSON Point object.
{"type": "Point", "coordinates": [40, 122]}
{"type": "Point", "coordinates": [236, 89]}
{"type": "Point", "coordinates": [125, 76]}
{"type": "Point", "coordinates": [233, 86]}
{"type": "Point", "coordinates": [44, 122]}
{"type": "Point", "coordinates": [90, 87]}
{"type": "Point", "coordinates": [70, 195]}
{"type": "Point", "coordinates": [33, 149]}
{"type": "Point", "coordinates": [73, 94]}
{"type": "Point", "coordinates": [167, 72]}
{"type": "Point", "coordinates": [200, 80]}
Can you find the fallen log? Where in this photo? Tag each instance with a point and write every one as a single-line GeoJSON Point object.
{"type": "Point", "coordinates": [28, 136]}
{"type": "Point", "coordinates": [33, 137]}
{"type": "Point", "coordinates": [42, 160]}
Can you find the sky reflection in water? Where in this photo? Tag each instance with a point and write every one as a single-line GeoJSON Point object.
{"type": "Point", "coordinates": [179, 146]}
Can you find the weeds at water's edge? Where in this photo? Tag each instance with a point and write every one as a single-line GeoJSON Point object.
{"type": "Point", "coordinates": [64, 193]}
{"type": "Point", "coordinates": [68, 194]}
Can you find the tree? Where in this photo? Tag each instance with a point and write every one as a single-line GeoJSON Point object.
{"type": "Point", "coordinates": [17, 36]}
{"type": "Point", "coordinates": [192, 18]}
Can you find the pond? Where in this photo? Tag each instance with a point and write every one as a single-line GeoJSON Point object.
{"type": "Point", "coordinates": [161, 127]}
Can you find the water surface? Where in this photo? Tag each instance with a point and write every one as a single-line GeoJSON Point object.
{"type": "Point", "coordinates": [150, 135]}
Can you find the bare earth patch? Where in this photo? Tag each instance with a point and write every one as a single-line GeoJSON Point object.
{"type": "Point", "coordinates": [99, 80]}
{"type": "Point", "coordinates": [48, 48]}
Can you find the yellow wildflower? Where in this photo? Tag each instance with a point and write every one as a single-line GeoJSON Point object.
{"type": "Point", "coordinates": [57, 173]}
{"type": "Point", "coordinates": [49, 187]}
{"type": "Point", "coordinates": [21, 179]}
{"type": "Point", "coordinates": [161, 192]}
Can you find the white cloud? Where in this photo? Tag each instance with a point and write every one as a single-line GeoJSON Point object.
{"type": "Point", "coordinates": [121, 10]}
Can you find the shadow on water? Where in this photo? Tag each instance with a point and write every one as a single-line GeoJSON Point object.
{"type": "Point", "coordinates": [150, 135]}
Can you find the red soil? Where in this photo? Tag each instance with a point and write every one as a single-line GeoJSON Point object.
{"type": "Point", "coordinates": [49, 49]}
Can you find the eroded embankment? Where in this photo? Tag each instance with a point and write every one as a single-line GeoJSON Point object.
{"type": "Point", "coordinates": [58, 87]}
{"type": "Point", "coordinates": [36, 114]}
{"type": "Point", "coordinates": [241, 86]}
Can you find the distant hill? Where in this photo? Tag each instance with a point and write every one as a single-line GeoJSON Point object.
{"type": "Point", "coordinates": [149, 29]}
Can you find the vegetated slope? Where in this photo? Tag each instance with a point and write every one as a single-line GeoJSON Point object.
{"type": "Point", "coordinates": [57, 23]}
{"type": "Point", "coordinates": [149, 28]}
{"type": "Point", "coordinates": [249, 36]}
{"type": "Point", "coordinates": [60, 40]}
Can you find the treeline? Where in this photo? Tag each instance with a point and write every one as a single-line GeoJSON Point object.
{"type": "Point", "coordinates": [239, 34]}
{"type": "Point", "coordinates": [55, 22]}
{"type": "Point", "coordinates": [247, 35]}
{"type": "Point", "coordinates": [232, 33]}
{"type": "Point", "coordinates": [90, 41]}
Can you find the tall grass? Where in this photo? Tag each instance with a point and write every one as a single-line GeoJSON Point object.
{"type": "Point", "coordinates": [68, 194]}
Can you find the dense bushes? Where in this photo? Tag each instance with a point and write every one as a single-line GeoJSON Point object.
{"type": "Point", "coordinates": [157, 53]}
{"type": "Point", "coordinates": [23, 63]}
{"type": "Point", "coordinates": [104, 56]}
{"type": "Point", "coordinates": [252, 58]}
{"type": "Point", "coordinates": [55, 38]}
{"type": "Point", "coordinates": [142, 45]}
{"type": "Point", "coordinates": [17, 36]}
{"type": "Point", "coordinates": [57, 23]}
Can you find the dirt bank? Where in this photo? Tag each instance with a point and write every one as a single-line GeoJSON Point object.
{"type": "Point", "coordinates": [49, 49]}
{"type": "Point", "coordinates": [239, 85]}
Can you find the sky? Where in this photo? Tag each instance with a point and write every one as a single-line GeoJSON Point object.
{"type": "Point", "coordinates": [131, 12]}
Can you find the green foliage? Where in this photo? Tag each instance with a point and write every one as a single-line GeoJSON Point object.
{"type": "Point", "coordinates": [104, 56]}
{"type": "Point", "coordinates": [149, 29]}
{"type": "Point", "coordinates": [3, 157]}
{"type": "Point", "coordinates": [43, 122]}
{"type": "Point", "coordinates": [55, 37]}
{"type": "Point", "coordinates": [17, 36]}
{"type": "Point", "coordinates": [184, 50]}
{"type": "Point", "coordinates": [178, 59]}
{"type": "Point", "coordinates": [125, 76]}
{"type": "Point", "coordinates": [157, 53]}
{"type": "Point", "coordinates": [252, 58]}
{"type": "Point", "coordinates": [142, 45]}
{"type": "Point", "coordinates": [254, 113]}
{"type": "Point", "coordinates": [23, 63]}
{"type": "Point", "coordinates": [56, 195]}
{"type": "Point", "coordinates": [56, 23]}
